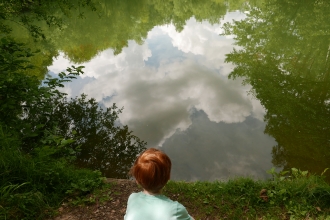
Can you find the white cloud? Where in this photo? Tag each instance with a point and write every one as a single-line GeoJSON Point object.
{"type": "Point", "coordinates": [157, 102]}
{"type": "Point", "coordinates": [106, 62]}
{"type": "Point", "coordinates": [202, 38]}
{"type": "Point", "coordinates": [60, 63]}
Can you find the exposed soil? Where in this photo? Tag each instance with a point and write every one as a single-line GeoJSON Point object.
{"type": "Point", "coordinates": [113, 209]}
{"type": "Point", "coordinates": [115, 205]}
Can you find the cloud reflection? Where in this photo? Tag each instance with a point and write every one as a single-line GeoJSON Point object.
{"type": "Point", "coordinates": [218, 151]}
{"type": "Point", "coordinates": [158, 99]}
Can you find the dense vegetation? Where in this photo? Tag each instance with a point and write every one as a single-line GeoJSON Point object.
{"type": "Point", "coordinates": [43, 135]}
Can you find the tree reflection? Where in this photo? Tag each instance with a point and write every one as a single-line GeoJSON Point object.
{"type": "Point", "coordinates": [284, 54]}
{"type": "Point", "coordinates": [81, 32]}
{"type": "Point", "coordinates": [101, 142]}
{"type": "Point", "coordinates": [117, 22]}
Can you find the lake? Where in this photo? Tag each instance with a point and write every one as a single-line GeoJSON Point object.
{"type": "Point", "coordinates": [225, 89]}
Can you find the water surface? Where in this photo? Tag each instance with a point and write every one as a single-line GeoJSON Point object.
{"type": "Point", "coordinates": [177, 96]}
{"type": "Point", "coordinates": [168, 65]}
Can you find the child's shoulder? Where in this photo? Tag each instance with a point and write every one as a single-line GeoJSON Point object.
{"type": "Point", "coordinates": [135, 194]}
{"type": "Point", "coordinates": [142, 195]}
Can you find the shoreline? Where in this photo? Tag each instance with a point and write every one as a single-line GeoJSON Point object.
{"type": "Point", "coordinates": [300, 197]}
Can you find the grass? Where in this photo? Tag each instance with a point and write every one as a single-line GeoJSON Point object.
{"type": "Point", "coordinates": [292, 197]}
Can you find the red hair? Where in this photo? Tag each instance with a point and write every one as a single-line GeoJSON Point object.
{"type": "Point", "coordinates": [152, 170]}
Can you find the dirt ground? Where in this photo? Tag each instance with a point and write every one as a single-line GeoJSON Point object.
{"type": "Point", "coordinates": [114, 209]}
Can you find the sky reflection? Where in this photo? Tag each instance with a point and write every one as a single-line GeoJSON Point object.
{"type": "Point", "coordinates": [176, 95]}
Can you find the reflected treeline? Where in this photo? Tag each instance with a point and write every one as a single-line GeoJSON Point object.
{"type": "Point", "coordinates": [117, 22]}
{"type": "Point", "coordinates": [37, 24]}
{"type": "Point", "coordinates": [284, 54]}
{"type": "Point", "coordinates": [82, 29]}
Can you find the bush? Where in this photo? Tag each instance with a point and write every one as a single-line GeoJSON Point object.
{"type": "Point", "coordinates": [29, 185]}
{"type": "Point", "coordinates": [42, 134]}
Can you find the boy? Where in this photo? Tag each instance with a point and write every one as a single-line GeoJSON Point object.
{"type": "Point", "coordinates": [152, 170]}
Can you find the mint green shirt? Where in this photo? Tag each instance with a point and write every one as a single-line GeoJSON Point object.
{"type": "Point", "coordinates": [141, 206]}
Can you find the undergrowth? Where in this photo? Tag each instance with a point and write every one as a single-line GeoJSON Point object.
{"type": "Point", "coordinates": [294, 195]}
{"type": "Point", "coordinates": [43, 135]}
{"type": "Point", "coordinates": [32, 185]}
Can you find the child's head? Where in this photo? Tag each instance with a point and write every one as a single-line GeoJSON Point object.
{"type": "Point", "coordinates": [152, 170]}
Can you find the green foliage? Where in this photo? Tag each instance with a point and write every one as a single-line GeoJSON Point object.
{"type": "Point", "coordinates": [21, 92]}
{"type": "Point", "coordinates": [103, 144]}
{"type": "Point", "coordinates": [85, 38]}
{"type": "Point", "coordinates": [29, 185]}
{"type": "Point", "coordinates": [101, 195]}
{"type": "Point", "coordinates": [13, 63]}
{"type": "Point", "coordinates": [37, 154]}
{"type": "Point", "coordinates": [284, 54]}
{"type": "Point", "coordinates": [93, 137]}
{"type": "Point", "coordinates": [28, 13]}
{"type": "Point", "coordinates": [311, 190]}
{"type": "Point", "coordinates": [299, 195]}
{"type": "Point", "coordinates": [82, 29]}
{"type": "Point", "coordinates": [42, 134]}
{"type": "Point", "coordinates": [42, 115]}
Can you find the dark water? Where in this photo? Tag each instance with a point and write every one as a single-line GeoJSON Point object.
{"type": "Point", "coordinates": [221, 99]}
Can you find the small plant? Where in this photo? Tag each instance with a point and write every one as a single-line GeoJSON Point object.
{"type": "Point", "coordinates": [282, 175]}
{"type": "Point", "coordinates": [99, 195]}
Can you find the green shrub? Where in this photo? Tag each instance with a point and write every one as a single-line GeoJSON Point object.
{"type": "Point", "coordinates": [38, 145]}
{"type": "Point", "coordinates": [29, 185]}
